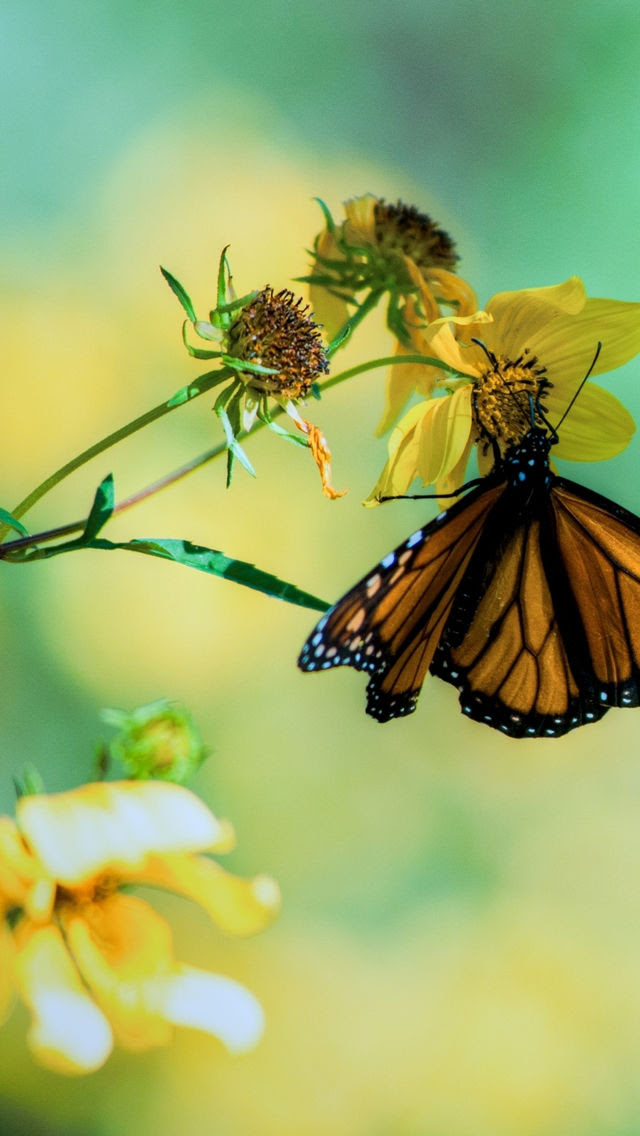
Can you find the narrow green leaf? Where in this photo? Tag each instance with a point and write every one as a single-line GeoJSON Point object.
{"type": "Point", "coordinates": [101, 510]}
{"type": "Point", "coordinates": [7, 518]}
{"type": "Point", "coordinates": [215, 563]}
{"type": "Point", "coordinates": [179, 291]}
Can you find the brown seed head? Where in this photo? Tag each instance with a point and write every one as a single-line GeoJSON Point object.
{"type": "Point", "coordinates": [274, 330]}
{"type": "Point", "coordinates": [403, 229]}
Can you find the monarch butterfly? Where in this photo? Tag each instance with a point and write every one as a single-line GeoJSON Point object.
{"type": "Point", "coordinates": [525, 595]}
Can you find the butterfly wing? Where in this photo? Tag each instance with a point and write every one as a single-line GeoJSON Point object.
{"type": "Point", "coordinates": [599, 543]}
{"type": "Point", "coordinates": [554, 640]}
{"type": "Point", "coordinates": [390, 623]}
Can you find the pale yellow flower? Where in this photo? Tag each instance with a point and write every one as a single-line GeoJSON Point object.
{"type": "Point", "coordinates": [96, 967]}
{"type": "Point", "coordinates": [536, 346]}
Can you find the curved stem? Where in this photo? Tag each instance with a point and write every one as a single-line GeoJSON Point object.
{"type": "Point", "coordinates": [199, 386]}
{"type": "Point", "coordinates": [189, 467]}
{"type": "Point", "coordinates": [386, 361]}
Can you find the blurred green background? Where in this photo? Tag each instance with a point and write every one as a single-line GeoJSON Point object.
{"type": "Point", "coordinates": [457, 952]}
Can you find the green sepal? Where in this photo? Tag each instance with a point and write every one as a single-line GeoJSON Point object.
{"type": "Point", "coordinates": [328, 219]}
{"type": "Point", "coordinates": [233, 445]}
{"type": "Point", "coordinates": [198, 386]}
{"type": "Point", "coordinates": [223, 276]}
{"type": "Point", "coordinates": [214, 562]}
{"type": "Point", "coordinates": [297, 439]}
{"type": "Point", "coordinates": [243, 365]}
{"type": "Point", "coordinates": [234, 305]}
{"type": "Point", "coordinates": [12, 522]}
{"type": "Point", "coordinates": [179, 291]}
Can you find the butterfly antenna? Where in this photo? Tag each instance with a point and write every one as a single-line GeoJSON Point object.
{"type": "Point", "coordinates": [593, 363]}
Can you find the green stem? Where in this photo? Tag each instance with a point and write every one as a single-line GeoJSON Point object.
{"type": "Point", "coordinates": [195, 463]}
{"type": "Point", "coordinates": [199, 386]}
{"type": "Point", "coordinates": [386, 361]}
{"type": "Point", "coordinates": [367, 305]}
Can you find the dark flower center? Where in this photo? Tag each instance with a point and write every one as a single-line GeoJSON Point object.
{"type": "Point", "coordinates": [403, 229]}
{"type": "Point", "coordinates": [275, 330]}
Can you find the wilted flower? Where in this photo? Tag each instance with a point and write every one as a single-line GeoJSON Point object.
{"type": "Point", "coordinates": [393, 249]}
{"type": "Point", "coordinates": [270, 349]}
{"type": "Point", "coordinates": [530, 348]}
{"type": "Point", "coordinates": [95, 966]}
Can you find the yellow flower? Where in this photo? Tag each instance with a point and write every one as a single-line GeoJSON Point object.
{"type": "Point", "coordinates": [398, 250]}
{"type": "Point", "coordinates": [95, 966]}
{"type": "Point", "coordinates": [536, 346]}
{"type": "Point", "coordinates": [418, 312]}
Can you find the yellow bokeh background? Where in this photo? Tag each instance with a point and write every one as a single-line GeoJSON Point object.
{"type": "Point", "coordinates": [457, 951]}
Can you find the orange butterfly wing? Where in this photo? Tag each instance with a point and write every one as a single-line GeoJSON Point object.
{"type": "Point", "coordinates": [525, 595]}
{"type": "Point", "coordinates": [390, 623]}
{"type": "Point", "coordinates": [555, 639]}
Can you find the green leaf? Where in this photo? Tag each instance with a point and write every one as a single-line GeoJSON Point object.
{"type": "Point", "coordinates": [179, 291]}
{"type": "Point", "coordinates": [101, 510]}
{"type": "Point", "coordinates": [8, 519]}
{"type": "Point", "coordinates": [215, 563]}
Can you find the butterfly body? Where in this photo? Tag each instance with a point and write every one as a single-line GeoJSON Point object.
{"type": "Point", "coordinates": [525, 595]}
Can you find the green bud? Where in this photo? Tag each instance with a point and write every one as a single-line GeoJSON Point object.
{"type": "Point", "coordinates": [158, 742]}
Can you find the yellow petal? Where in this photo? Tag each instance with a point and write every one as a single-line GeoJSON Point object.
{"type": "Point", "coordinates": [597, 427]}
{"type": "Point", "coordinates": [103, 826]}
{"type": "Point", "coordinates": [208, 1002]}
{"type": "Point", "coordinates": [427, 308]}
{"type": "Point", "coordinates": [69, 1034]}
{"type": "Point", "coordinates": [567, 345]}
{"type": "Point", "coordinates": [329, 311]}
{"type": "Point", "coordinates": [402, 465]}
{"type": "Point", "coordinates": [118, 945]}
{"type": "Point", "coordinates": [359, 226]}
{"type": "Point", "coordinates": [518, 317]}
{"type": "Point", "coordinates": [439, 340]}
{"type": "Point", "coordinates": [444, 434]}
{"type": "Point", "coordinates": [17, 863]}
{"type": "Point", "coordinates": [402, 380]}
{"type": "Point", "coordinates": [239, 906]}
{"type": "Point", "coordinates": [7, 957]}
{"type": "Point", "coordinates": [449, 288]}
{"type": "Point", "coordinates": [454, 479]}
